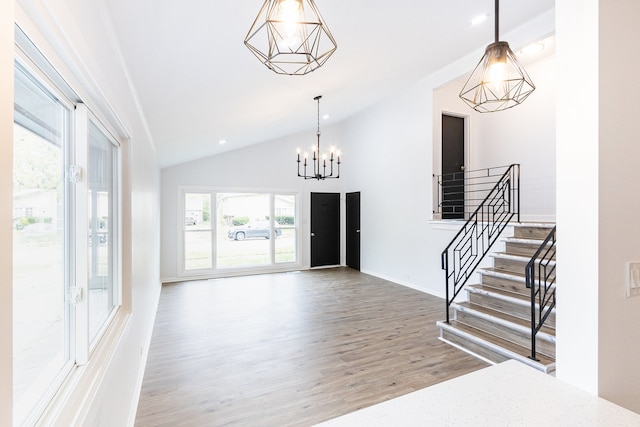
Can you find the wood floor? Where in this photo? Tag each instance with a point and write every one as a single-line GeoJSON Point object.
{"type": "Point", "coordinates": [290, 349]}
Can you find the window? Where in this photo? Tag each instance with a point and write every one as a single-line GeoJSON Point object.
{"type": "Point", "coordinates": [41, 257]}
{"type": "Point", "coordinates": [244, 230]}
{"type": "Point", "coordinates": [237, 231]}
{"type": "Point", "coordinates": [285, 208]}
{"type": "Point", "coordinates": [103, 273]}
{"type": "Point", "coordinates": [66, 277]}
{"type": "Point", "coordinates": [197, 231]}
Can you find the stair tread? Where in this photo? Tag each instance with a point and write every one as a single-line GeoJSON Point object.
{"type": "Point", "coordinates": [497, 341]}
{"type": "Point", "coordinates": [482, 288]}
{"type": "Point", "coordinates": [515, 257]}
{"type": "Point", "coordinates": [527, 240]}
{"type": "Point", "coordinates": [548, 225]}
{"type": "Point", "coordinates": [497, 272]}
{"type": "Point", "coordinates": [525, 299]}
{"type": "Point", "coordinates": [519, 277]}
{"type": "Point", "coordinates": [522, 323]}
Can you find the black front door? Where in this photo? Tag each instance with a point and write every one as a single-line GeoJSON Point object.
{"type": "Point", "coordinates": [353, 230]}
{"type": "Point", "coordinates": [325, 229]}
{"type": "Point", "coordinates": [452, 167]}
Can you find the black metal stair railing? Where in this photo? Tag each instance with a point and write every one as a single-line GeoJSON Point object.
{"type": "Point", "coordinates": [474, 240]}
{"type": "Point", "coordinates": [541, 279]}
{"type": "Point", "coordinates": [458, 194]}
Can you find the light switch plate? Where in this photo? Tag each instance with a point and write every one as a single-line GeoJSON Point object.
{"type": "Point", "coordinates": [633, 279]}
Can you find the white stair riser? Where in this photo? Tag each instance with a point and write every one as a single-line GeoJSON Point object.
{"type": "Point", "coordinates": [474, 347]}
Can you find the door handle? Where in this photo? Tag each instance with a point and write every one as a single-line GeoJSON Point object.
{"type": "Point", "coordinates": [462, 168]}
{"type": "Point", "coordinates": [313, 234]}
{"type": "Point", "coordinates": [357, 231]}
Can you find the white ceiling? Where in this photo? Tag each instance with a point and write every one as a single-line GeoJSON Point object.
{"type": "Point", "coordinates": [197, 83]}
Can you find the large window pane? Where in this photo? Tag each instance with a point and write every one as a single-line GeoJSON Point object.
{"type": "Point", "coordinates": [41, 325]}
{"type": "Point", "coordinates": [285, 210]}
{"type": "Point", "coordinates": [102, 277]}
{"type": "Point", "coordinates": [224, 230]}
{"type": "Point", "coordinates": [244, 230]}
{"type": "Point", "coordinates": [197, 231]}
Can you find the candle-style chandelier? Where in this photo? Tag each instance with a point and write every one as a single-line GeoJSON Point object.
{"type": "Point", "coordinates": [290, 37]}
{"type": "Point", "coordinates": [499, 81]}
{"type": "Point", "coordinates": [319, 160]}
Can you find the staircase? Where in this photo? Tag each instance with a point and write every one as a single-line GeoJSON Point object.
{"type": "Point", "coordinates": [495, 323]}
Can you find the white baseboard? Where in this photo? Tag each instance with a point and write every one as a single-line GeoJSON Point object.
{"type": "Point", "coordinates": [405, 283]}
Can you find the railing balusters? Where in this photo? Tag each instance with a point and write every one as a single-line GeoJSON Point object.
{"type": "Point", "coordinates": [542, 285]}
{"type": "Point", "coordinates": [458, 194]}
{"type": "Point", "coordinates": [480, 232]}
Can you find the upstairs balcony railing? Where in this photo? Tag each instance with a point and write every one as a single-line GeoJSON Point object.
{"type": "Point", "coordinates": [457, 195]}
{"type": "Point", "coordinates": [483, 227]}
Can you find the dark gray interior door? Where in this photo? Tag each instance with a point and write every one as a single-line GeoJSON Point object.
{"type": "Point", "coordinates": [452, 167]}
{"type": "Point", "coordinates": [353, 230]}
{"type": "Point", "coordinates": [325, 229]}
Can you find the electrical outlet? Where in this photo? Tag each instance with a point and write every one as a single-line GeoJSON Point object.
{"type": "Point", "coordinates": [633, 279]}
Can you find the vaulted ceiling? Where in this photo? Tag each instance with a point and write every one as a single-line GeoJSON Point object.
{"type": "Point", "coordinates": [198, 84]}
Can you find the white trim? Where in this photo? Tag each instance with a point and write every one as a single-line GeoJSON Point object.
{"type": "Point", "coordinates": [405, 283]}
{"type": "Point", "coordinates": [237, 273]}
{"type": "Point", "coordinates": [81, 190]}
{"type": "Point", "coordinates": [72, 402]}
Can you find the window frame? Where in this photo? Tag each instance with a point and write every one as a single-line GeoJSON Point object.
{"type": "Point", "coordinates": [43, 80]}
{"type": "Point", "coordinates": [215, 271]}
{"type": "Point", "coordinates": [67, 396]}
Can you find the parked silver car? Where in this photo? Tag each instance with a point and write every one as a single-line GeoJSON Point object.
{"type": "Point", "coordinates": [252, 230]}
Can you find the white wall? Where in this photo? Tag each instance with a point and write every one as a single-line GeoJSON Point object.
{"type": "Point", "coordinates": [268, 166]}
{"type": "Point", "coordinates": [577, 192]}
{"type": "Point", "coordinates": [6, 211]}
{"type": "Point", "coordinates": [394, 173]}
{"type": "Point", "coordinates": [524, 134]}
{"type": "Point", "coordinates": [619, 204]}
{"type": "Point", "coordinates": [598, 207]}
{"type": "Point", "coordinates": [75, 36]}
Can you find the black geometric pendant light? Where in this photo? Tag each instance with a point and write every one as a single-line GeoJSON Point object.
{"type": "Point", "coordinates": [499, 81]}
{"type": "Point", "coordinates": [290, 37]}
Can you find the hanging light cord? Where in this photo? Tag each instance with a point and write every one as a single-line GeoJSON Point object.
{"type": "Point", "coordinates": [317, 98]}
{"type": "Point", "coordinates": [497, 20]}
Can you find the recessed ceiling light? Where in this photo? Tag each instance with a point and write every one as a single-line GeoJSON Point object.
{"type": "Point", "coordinates": [479, 19]}
{"type": "Point", "coordinates": [222, 141]}
{"type": "Point", "coordinates": [326, 117]}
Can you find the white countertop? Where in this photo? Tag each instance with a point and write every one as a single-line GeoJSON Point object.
{"type": "Point", "coordinates": [507, 394]}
